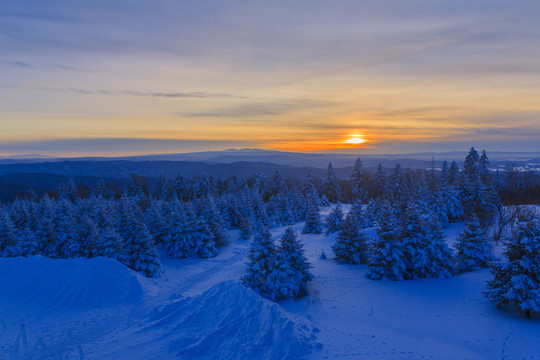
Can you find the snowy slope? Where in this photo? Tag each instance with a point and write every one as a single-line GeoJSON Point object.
{"type": "Point", "coordinates": [197, 309]}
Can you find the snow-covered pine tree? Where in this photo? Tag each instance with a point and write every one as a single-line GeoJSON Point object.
{"type": "Point", "coordinates": [426, 253]}
{"type": "Point", "coordinates": [131, 189]}
{"type": "Point", "coordinates": [357, 181]}
{"type": "Point", "coordinates": [453, 174]}
{"type": "Point", "coordinates": [387, 260]}
{"type": "Point", "coordinates": [27, 244]}
{"type": "Point", "coordinates": [313, 218]}
{"type": "Point", "coordinates": [332, 190]}
{"type": "Point", "coordinates": [180, 186]}
{"type": "Point", "coordinates": [156, 221]}
{"type": "Point", "coordinates": [359, 215]}
{"type": "Point", "coordinates": [333, 220]}
{"type": "Point", "coordinates": [444, 178]}
{"type": "Point", "coordinates": [309, 185]}
{"type": "Point", "coordinates": [516, 281]}
{"type": "Point", "coordinates": [379, 182]}
{"type": "Point", "coordinates": [111, 245]}
{"type": "Point", "coordinates": [140, 252]}
{"type": "Point", "coordinates": [293, 253]}
{"type": "Point", "coordinates": [262, 256]}
{"type": "Point", "coordinates": [212, 216]}
{"type": "Point", "coordinates": [66, 231]}
{"type": "Point", "coordinates": [351, 246]}
{"type": "Point", "coordinates": [483, 163]}
{"type": "Point", "coordinates": [291, 272]}
{"type": "Point", "coordinates": [190, 237]}
{"type": "Point", "coordinates": [396, 190]}
{"type": "Point", "coordinates": [163, 191]}
{"type": "Point", "coordinates": [473, 250]}
{"type": "Point", "coordinates": [8, 239]}
{"type": "Point", "coordinates": [451, 198]}
{"type": "Point", "coordinates": [498, 182]}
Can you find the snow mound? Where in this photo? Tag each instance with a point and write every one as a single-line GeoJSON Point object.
{"type": "Point", "coordinates": [64, 283]}
{"type": "Point", "coordinates": [229, 321]}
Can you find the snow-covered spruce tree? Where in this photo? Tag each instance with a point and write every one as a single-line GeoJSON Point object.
{"type": "Point", "coordinates": [262, 256]}
{"type": "Point", "coordinates": [351, 246]}
{"type": "Point", "coordinates": [473, 250]}
{"type": "Point", "coordinates": [409, 248]}
{"type": "Point", "coordinates": [426, 252]}
{"type": "Point", "coordinates": [357, 181]}
{"type": "Point", "coordinates": [313, 218]}
{"type": "Point", "coordinates": [333, 220]}
{"type": "Point", "coordinates": [387, 260]}
{"type": "Point", "coordinates": [358, 214]}
{"type": "Point", "coordinates": [396, 190]}
{"type": "Point", "coordinates": [110, 245]}
{"type": "Point", "coordinates": [212, 216]}
{"type": "Point", "coordinates": [517, 280]}
{"type": "Point", "coordinates": [379, 182]}
{"type": "Point", "coordinates": [190, 237]}
{"type": "Point", "coordinates": [27, 244]}
{"type": "Point", "coordinates": [140, 252]}
{"type": "Point", "coordinates": [8, 239]}
{"type": "Point", "coordinates": [284, 212]}
{"type": "Point", "coordinates": [332, 190]}
{"type": "Point", "coordinates": [291, 271]}
{"type": "Point", "coordinates": [180, 186]}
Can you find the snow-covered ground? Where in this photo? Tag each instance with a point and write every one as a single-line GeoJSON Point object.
{"type": "Point", "coordinates": [98, 309]}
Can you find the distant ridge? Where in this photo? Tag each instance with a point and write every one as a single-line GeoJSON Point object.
{"type": "Point", "coordinates": [297, 159]}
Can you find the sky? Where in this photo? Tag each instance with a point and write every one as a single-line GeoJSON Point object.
{"type": "Point", "coordinates": [136, 77]}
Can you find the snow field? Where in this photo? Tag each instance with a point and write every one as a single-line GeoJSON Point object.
{"type": "Point", "coordinates": [198, 310]}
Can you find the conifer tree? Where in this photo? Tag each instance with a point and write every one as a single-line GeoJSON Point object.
{"type": "Point", "coordinates": [313, 218]}
{"type": "Point", "coordinates": [357, 181]}
{"type": "Point", "coordinates": [180, 186]}
{"type": "Point", "coordinates": [359, 215]}
{"type": "Point", "coordinates": [190, 237]}
{"type": "Point", "coordinates": [333, 220]}
{"type": "Point", "coordinates": [516, 281]}
{"type": "Point", "coordinates": [8, 239]}
{"type": "Point", "coordinates": [27, 244]}
{"type": "Point", "coordinates": [140, 252]}
{"type": "Point", "coordinates": [387, 260]}
{"type": "Point", "coordinates": [262, 263]}
{"type": "Point", "coordinates": [332, 190]}
{"type": "Point", "coordinates": [131, 190]}
{"type": "Point", "coordinates": [291, 271]}
{"type": "Point", "coordinates": [212, 216]}
{"type": "Point", "coordinates": [395, 189]}
{"type": "Point", "coordinates": [351, 246]}
{"type": "Point", "coordinates": [453, 173]}
{"type": "Point", "coordinates": [379, 182]}
{"type": "Point", "coordinates": [472, 249]}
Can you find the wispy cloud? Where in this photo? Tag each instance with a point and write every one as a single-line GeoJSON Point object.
{"type": "Point", "coordinates": [154, 94]}
{"type": "Point", "coordinates": [270, 108]}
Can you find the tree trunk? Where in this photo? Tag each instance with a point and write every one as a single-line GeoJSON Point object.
{"type": "Point", "coordinates": [527, 313]}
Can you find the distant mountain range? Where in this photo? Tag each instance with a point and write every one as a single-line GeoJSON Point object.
{"type": "Point", "coordinates": [316, 160]}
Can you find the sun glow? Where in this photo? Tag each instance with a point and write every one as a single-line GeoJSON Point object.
{"type": "Point", "coordinates": [355, 140]}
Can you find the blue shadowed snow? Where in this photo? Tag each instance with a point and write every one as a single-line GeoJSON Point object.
{"type": "Point", "coordinates": [64, 283]}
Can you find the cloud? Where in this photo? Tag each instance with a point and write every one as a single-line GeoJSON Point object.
{"type": "Point", "coordinates": [154, 94]}
{"type": "Point", "coordinates": [270, 108]}
{"type": "Point", "coordinates": [17, 63]}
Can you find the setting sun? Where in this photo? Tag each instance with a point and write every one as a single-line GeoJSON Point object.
{"type": "Point", "coordinates": [355, 140]}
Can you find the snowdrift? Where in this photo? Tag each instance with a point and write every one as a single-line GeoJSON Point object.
{"type": "Point", "coordinates": [64, 283]}
{"type": "Point", "coordinates": [229, 321]}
